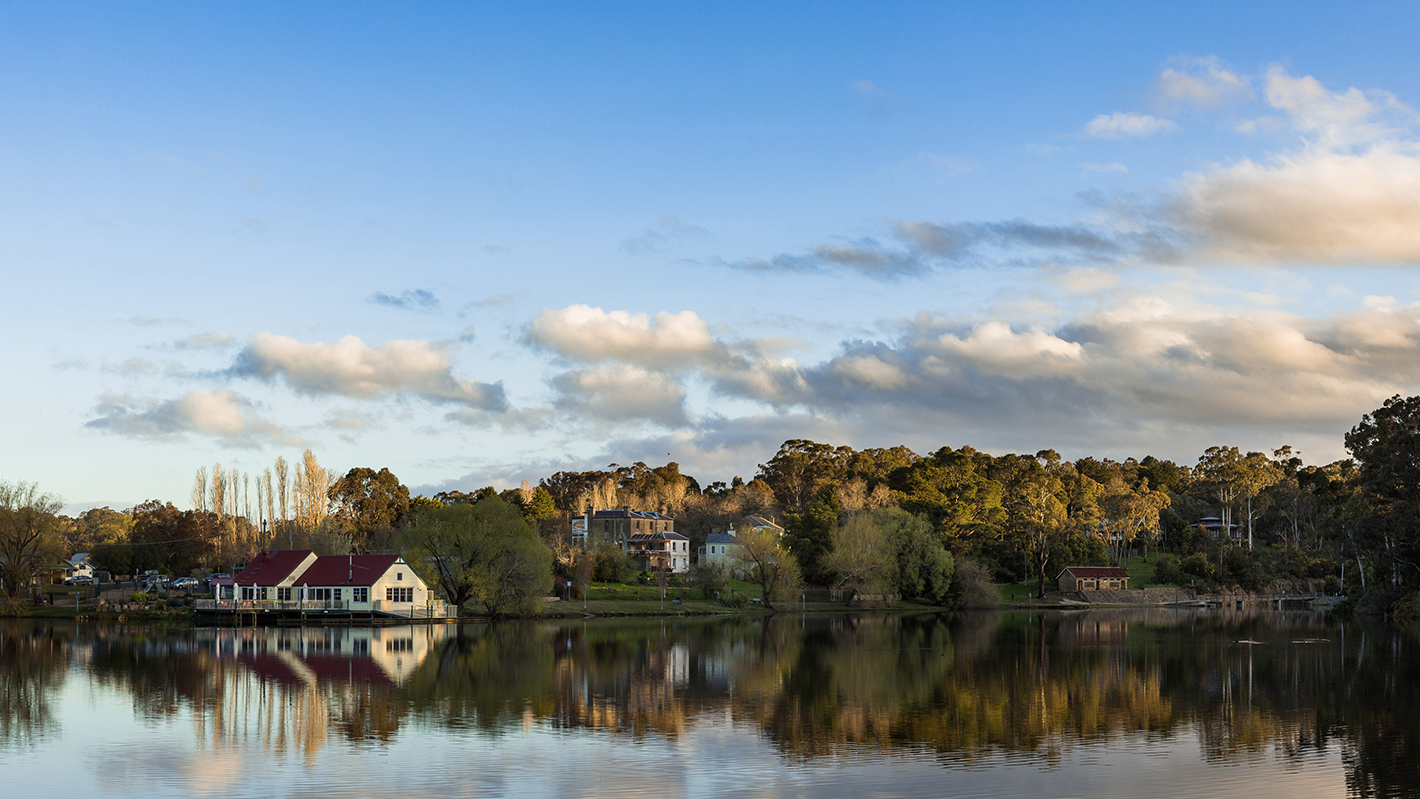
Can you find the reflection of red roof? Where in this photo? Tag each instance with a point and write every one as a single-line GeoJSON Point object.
{"type": "Point", "coordinates": [353, 669]}
{"type": "Point", "coordinates": [346, 570]}
{"type": "Point", "coordinates": [1097, 572]}
{"type": "Point", "coordinates": [326, 668]}
{"type": "Point", "coordinates": [270, 568]}
{"type": "Point", "coordinates": [269, 667]}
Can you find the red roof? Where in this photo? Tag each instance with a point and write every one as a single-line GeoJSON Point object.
{"type": "Point", "coordinates": [346, 570]}
{"type": "Point", "coordinates": [1097, 572]}
{"type": "Point", "coordinates": [270, 568]}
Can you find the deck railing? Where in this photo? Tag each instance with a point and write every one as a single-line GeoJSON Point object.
{"type": "Point", "coordinates": [408, 610]}
{"type": "Point", "coordinates": [270, 605]}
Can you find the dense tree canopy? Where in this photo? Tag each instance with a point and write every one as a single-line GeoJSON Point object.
{"type": "Point", "coordinates": [484, 550]}
{"type": "Point", "coordinates": [371, 505]}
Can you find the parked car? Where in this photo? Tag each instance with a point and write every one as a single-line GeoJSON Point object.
{"type": "Point", "coordinates": [207, 581]}
{"type": "Point", "coordinates": [80, 581]}
{"type": "Point", "coordinates": [184, 584]}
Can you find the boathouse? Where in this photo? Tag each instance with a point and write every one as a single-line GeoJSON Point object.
{"type": "Point", "coordinates": [298, 583]}
{"type": "Point", "coordinates": [363, 583]}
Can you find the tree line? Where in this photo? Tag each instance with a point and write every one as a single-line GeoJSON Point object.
{"type": "Point", "coordinates": [870, 521]}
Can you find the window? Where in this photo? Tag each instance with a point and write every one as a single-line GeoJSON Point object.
{"type": "Point", "coordinates": [335, 594]}
{"type": "Point", "coordinates": [393, 594]}
{"type": "Point", "coordinates": [283, 594]}
{"type": "Point", "coordinates": [399, 576]}
{"type": "Point", "coordinates": [360, 595]}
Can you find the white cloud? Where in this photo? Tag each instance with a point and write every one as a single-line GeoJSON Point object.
{"type": "Point", "coordinates": [1200, 82]}
{"type": "Point", "coordinates": [621, 393]}
{"type": "Point", "coordinates": [351, 368]}
{"type": "Point", "coordinates": [591, 335]}
{"type": "Point", "coordinates": [1352, 194]}
{"type": "Point", "coordinates": [218, 413]}
{"type": "Point", "coordinates": [1137, 367]}
{"type": "Point", "coordinates": [1126, 125]}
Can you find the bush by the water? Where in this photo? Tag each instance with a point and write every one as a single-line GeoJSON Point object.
{"type": "Point", "coordinates": [971, 586]}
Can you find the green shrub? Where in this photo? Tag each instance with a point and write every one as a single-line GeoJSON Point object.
{"type": "Point", "coordinates": [1198, 566]}
{"type": "Point", "coordinates": [1166, 571]}
{"type": "Point", "coordinates": [612, 565]}
{"type": "Point", "coordinates": [971, 586]}
{"type": "Point", "coordinates": [710, 578]}
{"type": "Point", "coordinates": [733, 599]}
{"type": "Point", "coordinates": [140, 597]}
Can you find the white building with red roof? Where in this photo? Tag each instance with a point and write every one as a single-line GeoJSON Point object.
{"type": "Point", "coordinates": [364, 583]}
{"type": "Point", "coordinates": [300, 580]}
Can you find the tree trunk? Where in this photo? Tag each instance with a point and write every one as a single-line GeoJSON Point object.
{"type": "Point", "coordinates": [1249, 523]}
{"type": "Point", "coordinates": [1041, 555]}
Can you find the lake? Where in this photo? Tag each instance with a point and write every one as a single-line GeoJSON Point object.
{"type": "Point", "coordinates": [1103, 703]}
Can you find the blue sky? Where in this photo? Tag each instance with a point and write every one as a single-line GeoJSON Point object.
{"type": "Point", "coordinates": [480, 243]}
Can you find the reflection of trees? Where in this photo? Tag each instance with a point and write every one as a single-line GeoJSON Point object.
{"type": "Point", "coordinates": [33, 664]}
{"type": "Point", "coordinates": [961, 688]}
{"type": "Point", "coordinates": [243, 686]}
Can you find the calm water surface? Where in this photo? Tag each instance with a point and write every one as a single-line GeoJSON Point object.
{"type": "Point", "coordinates": [1099, 704]}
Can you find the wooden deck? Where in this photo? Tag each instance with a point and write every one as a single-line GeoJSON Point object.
{"type": "Point", "coordinates": [257, 612]}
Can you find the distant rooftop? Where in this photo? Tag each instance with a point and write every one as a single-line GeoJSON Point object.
{"type": "Point", "coordinates": [631, 514]}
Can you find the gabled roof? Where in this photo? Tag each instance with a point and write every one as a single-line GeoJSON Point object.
{"type": "Point", "coordinates": [79, 557]}
{"type": "Point", "coordinates": [1095, 572]}
{"type": "Point", "coordinates": [721, 538]}
{"type": "Point", "coordinates": [759, 521]}
{"type": "Point", "coordinates": [331, 570]}
{"type": "Point", "coordinates": [270, 568]}
{"type": "Point", "coordinates": [632, 514]}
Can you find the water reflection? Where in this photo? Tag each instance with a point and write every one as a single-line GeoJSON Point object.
{"type": "Point", "coordinates": [1038, 690]}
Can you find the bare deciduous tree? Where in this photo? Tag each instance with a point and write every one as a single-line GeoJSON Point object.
{"type": "Point", "coordinates": [29, 535]}
{"type": "Point", "coordinates": [199, 490]}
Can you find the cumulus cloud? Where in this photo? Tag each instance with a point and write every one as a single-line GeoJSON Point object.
{"type": "Point", "coordinates": [411, 300]}
{"type": "Point", "coordinates": [588, 334]}
{"type": "Point", "coordinates": [622, 393]}
{"type": "Point", "coordinates": [1126, 125]}
{"type": "Point", "coordinates": [667, 342]}
{"type": "Point", "coordinates": [1138, 367]}
{"type": "Point", "coordinates": [350, 367]}
{"type": "Point", "coordinates": [218, 413]}
{"type": "Point", "coordinates": [1201, 83]}
{"type": "Point", "coordinates": [1350, 195]}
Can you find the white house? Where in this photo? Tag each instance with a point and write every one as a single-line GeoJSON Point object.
{"type": "Point", "coordinates": [720, 549]}
{"type": "Point", "coordinates": [374, 583]}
